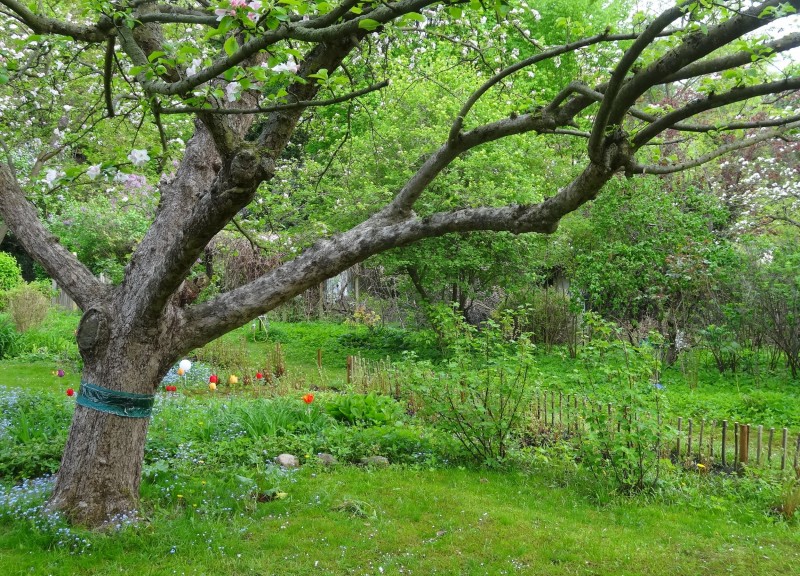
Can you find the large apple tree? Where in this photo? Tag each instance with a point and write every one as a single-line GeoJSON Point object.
{"type": "Point", "coordinates": [248, 72]}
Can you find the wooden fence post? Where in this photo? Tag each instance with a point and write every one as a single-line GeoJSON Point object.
{"type": "Point", "coordinates": [700, 440]}
{"type": "Point", "coordinates": [769, 445]}
{"type": "Point", "coordinates": [783, 448]}
{"type": "Point", "coordinates": [744, 443]}
{"type": "Point", "coordinates": [724, 440]}
{"type": "Point", "coordinates": [759, 434]}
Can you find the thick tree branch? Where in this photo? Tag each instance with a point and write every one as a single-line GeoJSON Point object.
{"type": "Point", "coordinates": [44, 25]}
{"type": "Point", "coordinates": [711, 102]}
{"type": "Point", "coordinates": [326, 258]}
{"type": "Point", "coordinates": [615, 84]}
{"type": "Point", "coordinates": [21, 216]}
{"type": "Point", "coordinates": [307, 31]}
{"type": "Point", "coordinates": [694, 47]}
{"type": "Point", "coordinates": [634, 168]}
{"type": "Point", "coordinates": [715, 65]}
{"type": "Point", "coordinates": [458, 123]}
{"type": "Point", "coordinates": [278, 107]}
{"type": "Point", "coordinates": [209, 191]}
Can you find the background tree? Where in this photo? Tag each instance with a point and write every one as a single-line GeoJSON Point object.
{"type": "Point", "coordinates": [229, 63]}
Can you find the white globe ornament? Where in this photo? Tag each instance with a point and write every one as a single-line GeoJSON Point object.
{"type": "Point", "coordinates": [185, 365]}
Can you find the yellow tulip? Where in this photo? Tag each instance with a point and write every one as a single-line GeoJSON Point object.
{"type": "Point", "coordinates": [212, 386]}
{"type": "Point", "coordinates": [233, 379]}
{"type": "Point", "coordinates": [180, 372]}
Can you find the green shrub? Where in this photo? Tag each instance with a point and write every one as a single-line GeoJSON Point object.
{"type": "Point", "coordinates": [9, 338]}
{"type": "Point", "coordinates": [33, 429]}
{"type": "Point", "coordinates": [480, 394]}
{"type": "Point", "coordinates": [10, 272]}
{"type": "Point", "coordinates": [623, 446]}
{"type": "Point", "coordinates": [370, 409]}
{"type": "Point", "coordinates": [28, 306]}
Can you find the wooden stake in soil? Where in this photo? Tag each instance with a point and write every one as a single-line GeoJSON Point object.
{"type": "Point", "coordinates": [797, 452]}
{"type": "Point", "coordinates": [759, 435]}
{"type": "Point", "coordinates": [319, 358]}
{"type": "Point", "coordinates": [689, 440]}
{"type": "Point", "coordinates": [700, 440]}
{"type": "Point", "coordinates": [724, 441]}
{"type": "Point", "coordinates": [678, 447]}
{"type": "Point", "coordinates": [711, 440]}
{"type": "Point", "coordinates": [735, 444]}
{"type": "Point", "coordinates": [349, 369]}
{"type": "Point", "coordinates": [744, 443]}
{"type": "Point", "coordinates": [769, 444]}
{"type": "Point", "coordinates": [783, 448]}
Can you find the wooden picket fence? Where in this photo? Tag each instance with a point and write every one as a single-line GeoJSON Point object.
{"type": "Point", "coordinates": [722, 444]}
{"type": "Point", "coordinates": [374, 376]}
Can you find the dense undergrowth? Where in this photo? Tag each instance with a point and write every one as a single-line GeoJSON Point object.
{"type": "Point", "coordinates": [462, 415]}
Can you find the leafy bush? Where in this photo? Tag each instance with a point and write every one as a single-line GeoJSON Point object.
{"type": "Point", "coordinates": [34, 430]}
{"type": "Point", "coordinates": [8, 337]}
{"type": "Point", "coordinates": [27, 306]}
{"type": "Point", "coordinates": [369, 409]}
{"type": "Point", "coordinates": [480, 394]}
{"type": "Point", "coordinates": [281, 416]}
{"type": "Point", "coordinates": [623, 445]}
{"type": "Point", "coordinates": [400, 444]}
{"type": "Point", "coordinates": [10, 272]}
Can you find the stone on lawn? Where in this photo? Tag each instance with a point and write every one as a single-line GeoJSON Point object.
{"type": "Point", "coordinates": [287, 461]}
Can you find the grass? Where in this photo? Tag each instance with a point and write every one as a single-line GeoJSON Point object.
{"type": "Point", "coordinates": [207, 505]}
{"type": "Point", "coordinates": [408, 521]}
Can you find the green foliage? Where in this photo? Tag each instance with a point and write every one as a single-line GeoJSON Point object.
{"type": "Point", "coordinates": [8, 337]}
{"type": "Point", "coordinates": [364, 409]}
{"type": "Point", "coordinates": [481, 391]}
{"type": "Point", "coordinates": [623, 445]}
{"type": "Point", "coordinates": [27, 306]}
{"type": "Point", "coordinates": [10, 272]}
{"type": "Point", "coordinates": [101, 234]}
{"type": "Point", "coordinates": [33, 428]}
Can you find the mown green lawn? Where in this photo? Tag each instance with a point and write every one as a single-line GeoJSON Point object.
{"type": "Point", "coordinates": [402, 521]}
{"type": "Point", "coordinates": [542, 516]}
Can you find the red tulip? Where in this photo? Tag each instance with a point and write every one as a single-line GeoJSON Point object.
{"type": "Point", "coordinates": [213, 379]}
{"type": "Point", "coordinates": [70, 392]}
{"type": "Point", "coordinates": [308, 398]}
{"type": "Point", "coordinates": [259, 375]}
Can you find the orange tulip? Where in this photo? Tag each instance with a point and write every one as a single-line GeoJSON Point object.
{"type": "Point", "coordinates": [308, 398]}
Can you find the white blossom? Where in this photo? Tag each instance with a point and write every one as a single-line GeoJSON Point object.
{"type": "Point", "coordinates": [138, 157]}
{"type": "Point", "coordinates": [93, 171]}
{"type": "Point", "coordinates": [232, 91]}
{"type": "Point", "coordinates": [289, 66]}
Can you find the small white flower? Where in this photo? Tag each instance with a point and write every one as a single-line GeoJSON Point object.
{"type": "Point", "coordinates": [289, 66]}
{"type": "Point", "coordinates": [50, 177]}
{"type": "Point", "coordinates": [120, 177]}
{"type": "Point", "coordinates": [192, 69]}
{"type": "Point", "coordinates": [138, 157]}
{"type": "Point", "coordinates": [232, 91]}
{"type": "Point", "coordinates": [93, 171]}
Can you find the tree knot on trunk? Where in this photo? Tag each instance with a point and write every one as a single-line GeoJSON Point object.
{"type": "Point", "coordinates": [93, 331]}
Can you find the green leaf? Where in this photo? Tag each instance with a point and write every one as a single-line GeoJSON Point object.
{"type": "Point", "coordinates": [231, 46]}
{"type": "Point", "coordinates": [368, 24]}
